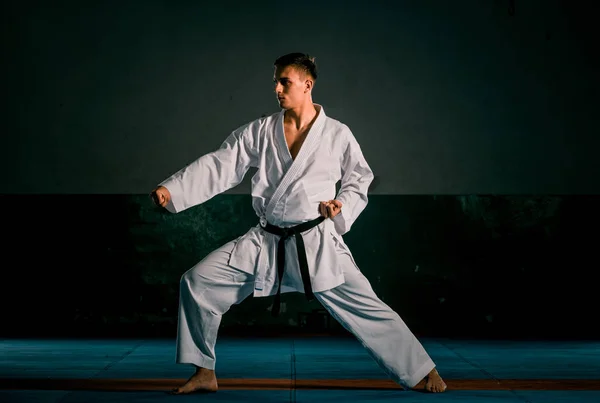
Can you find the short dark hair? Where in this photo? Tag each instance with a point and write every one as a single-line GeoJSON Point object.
{"type": "Point", "coordinates": [301, 61]}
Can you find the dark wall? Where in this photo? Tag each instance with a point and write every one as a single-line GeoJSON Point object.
{"type": "Point", "coordinates": [473, 265]}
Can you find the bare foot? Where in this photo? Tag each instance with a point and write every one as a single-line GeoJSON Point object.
{"type": "Point", "coordinates": [204, 380]}
{"type": "Point", "coordinates": [434, 382]}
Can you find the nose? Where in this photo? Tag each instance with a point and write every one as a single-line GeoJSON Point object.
{"type": "Point", "coordinates": [278, 88]}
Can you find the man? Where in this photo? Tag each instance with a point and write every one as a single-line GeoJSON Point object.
{"type": "Point", "coordinates": [300, 154]}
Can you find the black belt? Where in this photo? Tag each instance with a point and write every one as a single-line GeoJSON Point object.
{"type": "Point", "coordinates": [286, 233]}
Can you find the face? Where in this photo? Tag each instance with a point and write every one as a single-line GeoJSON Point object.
{"type": "Point", "coordinates": [292, 87]}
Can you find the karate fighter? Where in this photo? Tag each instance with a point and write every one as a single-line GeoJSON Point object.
{"type": "Point", "coordinates": [300, 154]}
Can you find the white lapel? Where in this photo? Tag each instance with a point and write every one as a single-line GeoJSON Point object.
{"type": "Point", "coordinates": [310, 144]}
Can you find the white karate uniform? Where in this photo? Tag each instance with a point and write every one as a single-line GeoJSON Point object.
{"type": "Point", "coordinates": [287, 192]}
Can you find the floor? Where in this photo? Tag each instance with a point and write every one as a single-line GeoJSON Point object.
{"type": "Point", "coordinates": [301, 369]}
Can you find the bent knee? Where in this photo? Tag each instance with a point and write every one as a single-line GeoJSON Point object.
{"type": "Point", "coordinates": [193, 278]}
{"type": "Point", "coordinates": [186, 278]}
{"type": "Point", "coordinates": [214, 266]}
{"type": "Point", "coordinates": [204, 274]}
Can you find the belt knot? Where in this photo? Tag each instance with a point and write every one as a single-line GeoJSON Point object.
{"type": "Point", "coordinates": [287, 232]}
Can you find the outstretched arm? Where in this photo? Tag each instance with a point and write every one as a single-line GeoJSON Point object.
{"type": "Point", "coordinates": [215, 172]}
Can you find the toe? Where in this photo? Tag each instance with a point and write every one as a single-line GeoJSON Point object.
{"type": "Point", "coordinates": [177, 391]}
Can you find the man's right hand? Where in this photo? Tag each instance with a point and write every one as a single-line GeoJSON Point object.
{"type": "Point", "coordinates": [161, 196]}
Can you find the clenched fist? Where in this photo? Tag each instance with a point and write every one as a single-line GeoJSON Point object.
{"type": "Point", "coordinates": [161, 196]}
{"type": "Point", "coordinates": [330, 209]}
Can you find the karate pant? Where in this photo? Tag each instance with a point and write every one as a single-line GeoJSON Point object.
{"type": "Point", "coordinates": [211, 287]}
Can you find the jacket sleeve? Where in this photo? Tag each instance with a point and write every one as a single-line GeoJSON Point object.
{"type": "Point", "coordinates": [356, 178]}
{"type": "Point", "coordinates": [215, 172]}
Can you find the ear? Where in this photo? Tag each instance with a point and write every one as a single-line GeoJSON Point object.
{"type": "Point", "coordinates": [308, 85]}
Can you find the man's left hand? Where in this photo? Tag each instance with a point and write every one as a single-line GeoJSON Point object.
{"type": "Point", "coordinates": [330, 209]}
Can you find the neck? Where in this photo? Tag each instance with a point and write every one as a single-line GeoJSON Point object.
{"type": "Point", "coordinates": [302, 115]}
